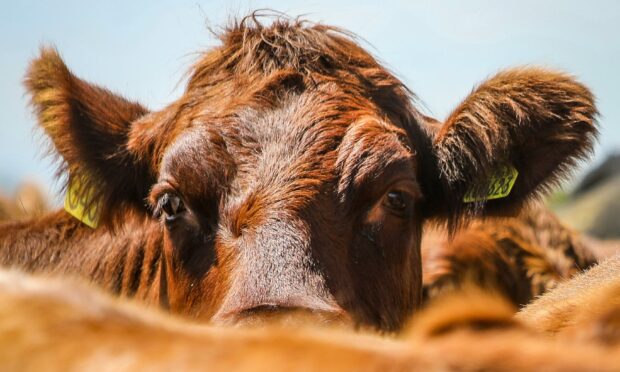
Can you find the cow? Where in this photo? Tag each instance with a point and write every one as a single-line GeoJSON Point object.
{"type": "Point", "coordinates": [522, 256]}
{"type": "Point", "coordinates": [58, 325]}
{"type": "Point", "coordinates": [587, 306]}
{"type": "Point", "coordinates": [295, 173]}
{"type": "Point", "coordinates": [29, 200]}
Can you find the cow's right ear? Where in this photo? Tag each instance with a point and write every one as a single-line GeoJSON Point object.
{"type": "Point", "coordinates": [516, 135]}
{"type": "Point", "coordinates": [89, 128]}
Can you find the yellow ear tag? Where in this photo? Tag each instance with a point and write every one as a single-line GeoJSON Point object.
{"type": "Point", "coordinates": [76, 205]}
{"type": "Point", "coordinates": [500, 185]}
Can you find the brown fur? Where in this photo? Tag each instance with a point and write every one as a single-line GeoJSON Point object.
{"type": "Point", "coordinates": [535, 104]}
{"type": "Point", "coordinates": [522, 257]}
{"type": "Point", "coordinates": [587, 306]}
{"type": "Point", "coordinates": [28, 201]}
{"type": "Point", "coordinates": [286, 151]}
{"type": "Point", "coordinates": [52, 325]}
{"type": "Point", "coordinates": [468, 307]}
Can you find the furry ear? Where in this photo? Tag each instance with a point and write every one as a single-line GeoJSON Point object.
{"type": "Point", "coordinates": [89, 128]}
{"type": "Point", "coordinates": [538, 121]}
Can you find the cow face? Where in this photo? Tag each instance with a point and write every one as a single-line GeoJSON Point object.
{"type": "Point", "coordinates": [279, 209]}
{"type": "Point", "coordinates": [294, 174]}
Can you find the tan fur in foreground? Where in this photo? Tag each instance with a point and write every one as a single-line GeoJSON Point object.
{"type": "Point", "coordinates": [28, 201]}
{"type": "Point", "coordinates": [588, 305]}
{"type": "Point", "coordinates": [55, 326]}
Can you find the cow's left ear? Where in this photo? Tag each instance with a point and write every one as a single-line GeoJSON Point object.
{"type": "Point", "coordinates": [89, 128]}
{"type": "Point", "coordinates": [529, 123]}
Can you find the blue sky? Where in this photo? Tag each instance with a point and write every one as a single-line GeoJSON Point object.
{"type": "Point", "coordinates": [142, 49]}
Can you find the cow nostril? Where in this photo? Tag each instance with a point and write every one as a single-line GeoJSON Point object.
{"type": "Point", "coordinates": [284, 315]}
{"type": "Point", "coordinates": [264, 309]}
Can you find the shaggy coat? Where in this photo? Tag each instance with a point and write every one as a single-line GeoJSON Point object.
{"type": "Point", "coordinates": [58, 326]}
{"type": "Point", "coordinates": [28, 201]}
{"type": "Point", "coordinates": [295, 173]}
{"type": "Point", "coordinates": [587, 306]}
{"type": "Point", "coordinates": [522, 257]}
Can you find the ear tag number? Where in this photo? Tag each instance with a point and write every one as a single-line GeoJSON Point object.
{"type": "Point", "coordinates": [500, 185]}
{"type": "Point", "coordinates": [76, 202]}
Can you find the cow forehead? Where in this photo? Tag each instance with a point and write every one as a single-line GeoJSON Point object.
{"type": "Point", "coordinates": [298, 145]}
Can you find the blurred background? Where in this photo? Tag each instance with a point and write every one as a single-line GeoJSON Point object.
{"type": "Point", "coordinates": [142, 49]}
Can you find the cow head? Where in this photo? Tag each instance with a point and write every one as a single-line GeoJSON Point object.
{"type": "Point", "coordinates": [295, 172]}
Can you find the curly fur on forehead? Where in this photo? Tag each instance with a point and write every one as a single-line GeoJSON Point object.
{"type": "Point", "coordinates": [251, 47]}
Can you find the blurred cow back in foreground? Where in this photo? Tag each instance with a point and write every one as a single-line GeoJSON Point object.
{"type": "Point", "coordinates": [28, 201]}
{"type": "Point", "coordinates": [591, 298]}
{"type": "Point", "coordinates": [294, 174]}
{"type": "Point", "coordinates": [52, 325]}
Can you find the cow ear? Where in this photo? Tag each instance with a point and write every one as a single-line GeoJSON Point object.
{"type": "Point", "coordinates": [531, 121]}
{"type": "Point", "coordinates": [88, 127]}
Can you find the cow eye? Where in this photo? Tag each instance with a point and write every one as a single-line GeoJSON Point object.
{"type": "Point", "coordinates": [171, 205]}
{"type": "Point", "coordinates": [397, 202]}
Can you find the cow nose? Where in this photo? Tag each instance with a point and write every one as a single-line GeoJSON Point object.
{"type": "Point", "coordinates": [266, 309]}
{"type": "Point", "coordinates": [274, 314]}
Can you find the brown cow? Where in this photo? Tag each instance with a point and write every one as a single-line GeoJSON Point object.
{"type": "Point", "coordinates": [58, 326]}
{"type": "Point", "coordinates": [28, 201]}
{"type": "Point", "coordinates": [522, 256]}
{"type": "Point", "coordinates": [294, 173]}
{"type": "Point", "coordinates": [587, 305]}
